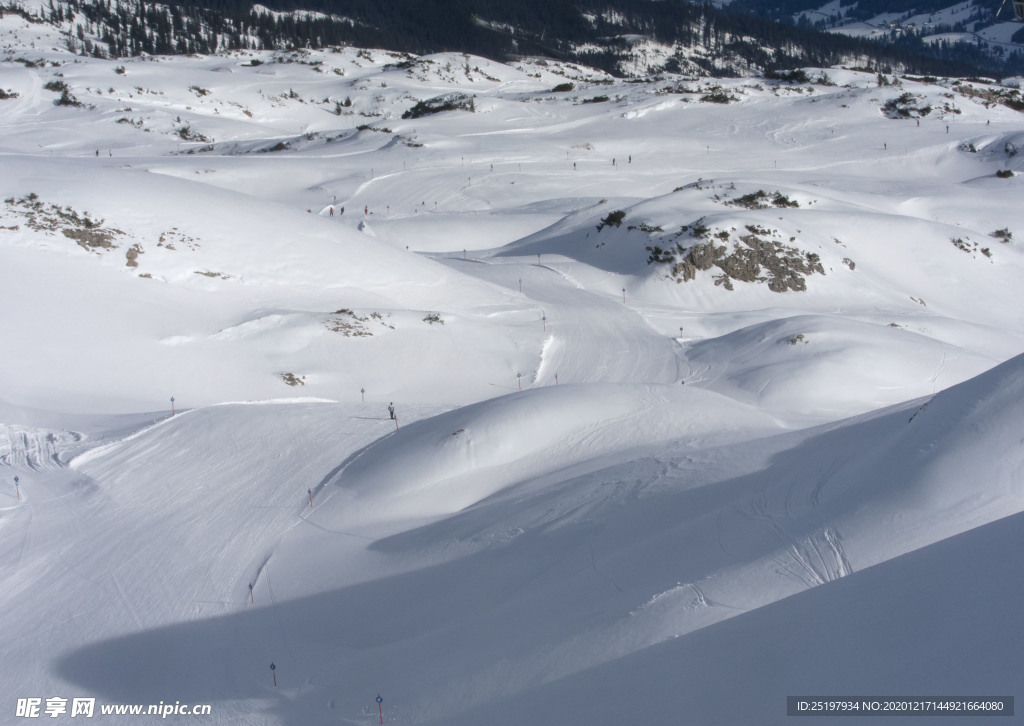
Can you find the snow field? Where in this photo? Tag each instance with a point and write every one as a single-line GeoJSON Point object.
{"type": "Point", "coordinates": [663, 523]}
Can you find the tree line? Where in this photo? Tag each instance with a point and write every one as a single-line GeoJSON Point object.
{"type": "Point", "coordinates": [735, 42]}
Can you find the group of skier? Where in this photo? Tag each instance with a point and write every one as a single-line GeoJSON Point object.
{"type": "Point", "coordinates": [341, 210]}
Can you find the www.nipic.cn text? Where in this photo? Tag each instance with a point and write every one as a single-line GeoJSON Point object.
{"type": "Point", "coordinates": [86, 708]}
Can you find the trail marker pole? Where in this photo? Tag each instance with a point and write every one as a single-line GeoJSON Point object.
{"type": "Point", "coordinates": [544, 320]}
{"type": "Point", "coordinates": [556, 379]}
{"type": "Point", "coordinates": [172, 405]}
{"type": "Point", "coordinates": [520, 284]}
{"type": "Point", "coordinates": [396, 422]}
{"type": "Point", "coordinates": [251, 598]}
{"type": "Point", "coordinates": [273, 670]}
{"type": "Point", "coordinates": [623, 294]}
{"type": "Point", "coordinates": [310, 491]}
{"type": "Point", "coordinates": [519, 377]}
{"type": "Point", "coordinates": [680, 331]}
{"type": "Point", "coordinates": [380, 708]}
{"type": "Point", "coordinates": [17, 490]}
{"type": "Point", "coordinates": [362, 392]}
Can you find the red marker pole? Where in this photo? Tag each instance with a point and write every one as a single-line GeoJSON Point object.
{"type": "Point", "coordinates": [380, 708]}
{"type": "Point", "coordinates": [362, 392]}
{"type": "Point", "coordinates": [519, 377]}
{"type": "Point", "coordinates": [273, 670]}
{"type": "Point", "coordinates": [310, 497]}
{"type": "Point", "coordinates": [251, 599]}
{"type": "Point", "coordinates": [172, 405]}
{"type": "Point", "coordinates": [17, 489]}
{"type": "Point", "coordinates": [396, 422]}
{"type": "Point", "coordinates": [623, 294]}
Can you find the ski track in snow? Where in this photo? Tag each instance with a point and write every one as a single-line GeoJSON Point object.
{"type": "Point", "coordinates": [613, 338]}
{"type": "Point", "coordinates": [34, 449]}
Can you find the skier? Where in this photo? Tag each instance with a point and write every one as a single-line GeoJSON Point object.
{"type": "Point", "coordinates": [332, 211]}
{"type": "Point", "coordinates": [391, 410]}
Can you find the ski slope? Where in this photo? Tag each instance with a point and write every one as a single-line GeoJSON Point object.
{"type": "Point", "coordinates": [612, 491]}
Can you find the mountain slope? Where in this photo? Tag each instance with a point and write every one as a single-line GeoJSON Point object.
{"type": "Point", "coordinates": [626, 37]}
{"type": "Point", "coordinates": [570, 571]}
{"type": "Point", "coordinates": [673, 361]}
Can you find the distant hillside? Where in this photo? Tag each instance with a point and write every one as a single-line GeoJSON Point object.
{"type": "Point", "coordinates": [979, 32]}
{"type": "Point", "coordinates": [623, 37]}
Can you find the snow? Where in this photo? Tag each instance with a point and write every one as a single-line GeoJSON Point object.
{"type": "Point", "coordinates": [994, 39]}
{"type": "Point", "coordinates": [608, 494]}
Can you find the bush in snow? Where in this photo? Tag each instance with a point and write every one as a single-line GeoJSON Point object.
{"type": "Point", "coordinates": [187, 134]}
{"type": "Point", "coordinates": [905, 106]}
{"type": "Point", "coordinates": [762, 200]}
{"type": "Point", "coordinates": [66, 99]}
{"type": "Point", "coordinates": [447, 102]}
{"type": "Point", "coordinates": [716, 94]}
{"type": "Point", "coordinates": [795, 76]}
{"type": "Point", "coordinates": [614, 219]}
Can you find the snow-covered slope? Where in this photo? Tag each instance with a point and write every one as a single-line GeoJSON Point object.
{"type": "Point", "coordinates": [687, 374]}
{"type": "Point", "coordinates": [545, 568]}
{"type": "Point", "coordinates": [988, 27]}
